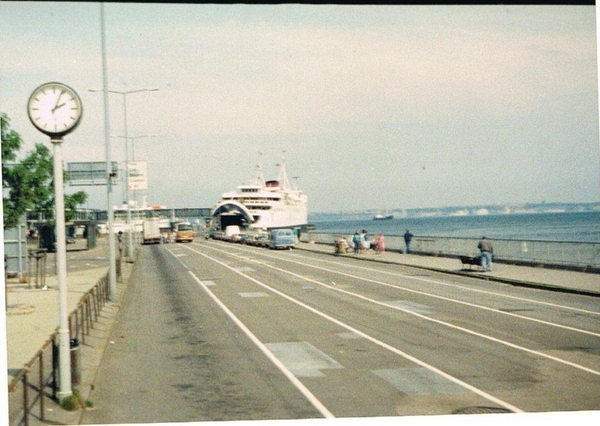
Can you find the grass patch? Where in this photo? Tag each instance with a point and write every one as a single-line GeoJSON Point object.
{"type": "Point", "coordinates": [75, 401]}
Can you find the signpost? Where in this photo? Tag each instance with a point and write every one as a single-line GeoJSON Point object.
{"type": "Point", "coordinates": [90, 173]}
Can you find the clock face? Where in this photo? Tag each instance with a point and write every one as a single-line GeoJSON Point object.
{"type": "Point", "coordinates": [55, 109]}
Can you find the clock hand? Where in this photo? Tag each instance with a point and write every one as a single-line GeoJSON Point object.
{"type": "Point", "coordinates": [58, 106]}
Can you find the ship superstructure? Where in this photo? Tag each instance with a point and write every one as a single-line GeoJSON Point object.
{"type": "Point", "coordinates": [262, 204]}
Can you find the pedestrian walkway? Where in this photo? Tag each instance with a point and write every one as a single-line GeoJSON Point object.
{"type": "Point", "coordinates": [536, 277]}
{"type": "Point", "coordinates": [32, 316]}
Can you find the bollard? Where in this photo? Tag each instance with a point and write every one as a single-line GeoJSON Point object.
{"type": "Point", "coordinates": [75, 362]}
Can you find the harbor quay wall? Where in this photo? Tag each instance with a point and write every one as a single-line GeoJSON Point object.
{"type": "Point", "coordinates": [580, 256]}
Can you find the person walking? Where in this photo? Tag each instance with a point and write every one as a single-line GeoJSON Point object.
{"type": "Point", "coordinates": [486, 249]}
{"type": "Point", "coordinates": [356, 240]}
{"type": "Point", "coordinates": [407, 239]}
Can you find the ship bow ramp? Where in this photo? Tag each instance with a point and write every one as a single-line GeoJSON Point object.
{"type": "Point", "coordinates": [233, 213]}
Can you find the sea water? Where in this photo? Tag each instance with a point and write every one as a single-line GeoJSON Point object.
{"type": "Point", "coordinates": [568, 226]}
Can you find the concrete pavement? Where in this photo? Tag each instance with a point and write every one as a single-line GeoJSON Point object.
{"type": "Point", "coordinates": [32, 316]}
{"type": "Point", "coordinates": [536, 277]}
{"type": "Point", "coordinates": [32, 313]}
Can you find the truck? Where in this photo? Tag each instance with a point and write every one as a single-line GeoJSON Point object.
{"type": "Point", "coordinates": [152, 231]}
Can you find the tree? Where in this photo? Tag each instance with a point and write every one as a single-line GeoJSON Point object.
{"type": "Point", "coordinates": [11, 142]}
{"type": "Point", "coordinates": [30, 182]}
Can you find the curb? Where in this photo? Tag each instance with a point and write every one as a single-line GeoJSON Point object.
{"type": "Point", "coordinates": [473, 274]}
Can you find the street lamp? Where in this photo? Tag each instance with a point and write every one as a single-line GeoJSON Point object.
{"type": "Point", "coordinates": [132, 138]}
{"type": "Point", "coordinates": [124, 94]}
{"type": "Point", "coordinates": [133, 144]}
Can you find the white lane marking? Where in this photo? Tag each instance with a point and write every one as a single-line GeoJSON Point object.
{"type": "Point", "coordinates": [286, 372]}
{"type": "Point", "coordinates": [426, 318]}
{"type": "Point", "coordinates": [303, 359]}
{"type": "Point", "coordinates": [252, 295]}
{"type": "Point", "coordinates": [384, 345]}
{"type": "Point", "coordinates": [447, 299]}
{"type": "Point", "coordinates": [441, 283]}
{"type": "Point", "coordinates": [410, 306]}
{"type": "Point", "coordinates": [303, 389]}
{"type": "Point", "coordinates": [430, 281]}
{"type": "Point", "coordinates": [418, 381]}
{"type": "Point", "coordinates": [349, 335]}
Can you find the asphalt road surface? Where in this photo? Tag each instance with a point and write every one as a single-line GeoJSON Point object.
{"type": "Point", "coordinates": [212, 330]}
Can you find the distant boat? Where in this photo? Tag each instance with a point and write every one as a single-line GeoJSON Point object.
{"type": "Point", "coordinates": [382, 217]}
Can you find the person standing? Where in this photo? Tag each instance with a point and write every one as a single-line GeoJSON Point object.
{"type": "Point", "coordinates": [486, 249]}
{"type": "Point", "coordinates": [366, 241]}
{"type": "Point", "coordinates": [380, 247]}
{"type": "Point", "coordinates": [407, 239]}
{"type": "Point", "coordinates": [356, 240]}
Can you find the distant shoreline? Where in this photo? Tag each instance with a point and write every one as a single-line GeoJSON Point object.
{"type": "Point", "coordinates": [457, 211]}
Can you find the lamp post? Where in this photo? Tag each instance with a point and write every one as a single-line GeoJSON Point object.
{"type": "Point", "coordinates": [132, 138]}
{"type": "Point", "coordinates": [124, 94]}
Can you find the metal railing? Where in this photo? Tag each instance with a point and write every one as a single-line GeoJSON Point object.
{"type": "Point", "coordinates": [583, 256]}
{"type": "Point", "coordinates": [38, 379]}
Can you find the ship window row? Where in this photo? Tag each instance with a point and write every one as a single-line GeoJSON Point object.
{"type": "Point", "coordinates": [261, 200]}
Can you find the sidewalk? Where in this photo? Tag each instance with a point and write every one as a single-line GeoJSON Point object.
{"type": "Point", "coordinates": [32, 316]}
{"type": "Point", "coordinates": [536, 277]}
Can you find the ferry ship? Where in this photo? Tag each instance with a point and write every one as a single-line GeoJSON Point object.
{"type": "Point", "coordinates": [262, 204]}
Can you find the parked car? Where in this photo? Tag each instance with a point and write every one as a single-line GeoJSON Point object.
{"type": "Point", "coordinates": [245, 238]}
{"type": "Point", "coordinates": [261, 240]}
{"type": "Point", "coordinates": [216, 234]}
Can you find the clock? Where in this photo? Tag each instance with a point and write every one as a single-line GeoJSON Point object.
{"type": "Point", "coordinates": [54, 109]}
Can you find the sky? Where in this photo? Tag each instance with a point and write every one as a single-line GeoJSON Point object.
{"type": "Point", "coordinates": [370, 107]}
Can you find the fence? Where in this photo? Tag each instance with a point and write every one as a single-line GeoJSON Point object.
{"type": "Point", "coordinates": [38, 379]}
{"type": "Point", "coordinates": [562, 254]}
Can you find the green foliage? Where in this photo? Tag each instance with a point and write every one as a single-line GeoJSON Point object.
{"type": "Point", "coordinates": [71, 203]}
{"type": "Point", "coordinates": [71, 402]}
{"type": "Point", "coordinates": [75, 401]}
{"type": "Point", "coordinates": [30, 181]}
{"type": "Point", "coordinates": [11, 141]}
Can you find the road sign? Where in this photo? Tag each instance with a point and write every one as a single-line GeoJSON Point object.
{"type": "Point", "coordinates": [138, 175]}
{"type": "Point", "coordinates": [89, 173]}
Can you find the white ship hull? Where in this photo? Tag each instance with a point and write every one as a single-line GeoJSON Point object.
{"type": "Point", "coordinates": [262, 205]}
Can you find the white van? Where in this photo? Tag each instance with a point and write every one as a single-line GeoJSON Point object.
{"type": "Point", "coordinates": [230, 231]}
{"type": "Point", "coordinates": [282, 239]}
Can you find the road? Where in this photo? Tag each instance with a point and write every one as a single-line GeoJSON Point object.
{"type": "Point", "coordinates": [218, 331]}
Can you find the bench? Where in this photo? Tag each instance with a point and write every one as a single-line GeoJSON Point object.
{"type": "Point", "coordinates": [471, 260]}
